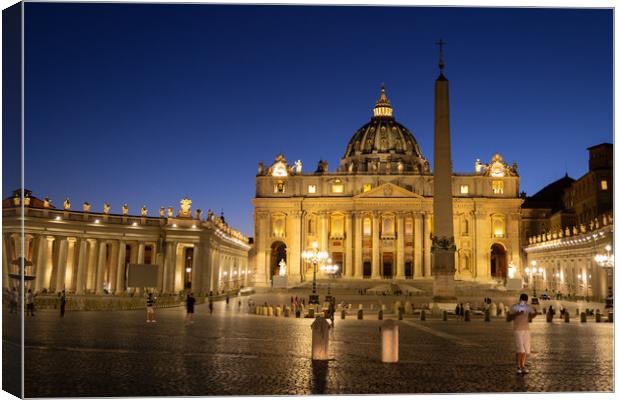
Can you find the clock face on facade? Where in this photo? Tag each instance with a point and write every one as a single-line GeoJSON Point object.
{"type": "Point", "coordinates": [497, 170]}
{"type": "Point", "coordinates": [279, 169]}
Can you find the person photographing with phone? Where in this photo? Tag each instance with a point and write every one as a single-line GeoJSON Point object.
{"type": "Point", "coordinates": [521, 315]}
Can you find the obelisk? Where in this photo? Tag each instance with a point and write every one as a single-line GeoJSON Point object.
{"type": "Point", "coordinates": [443, 246]}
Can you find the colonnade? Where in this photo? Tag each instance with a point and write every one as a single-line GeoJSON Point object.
{"type": "Point", "coordinates": [89, 265]}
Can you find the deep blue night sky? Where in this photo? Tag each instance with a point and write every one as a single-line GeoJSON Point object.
{"type": "Point", "coordinates": [146, 104]}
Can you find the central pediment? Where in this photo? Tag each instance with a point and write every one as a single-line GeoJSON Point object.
{"type": "Point", "coordinates": [388, 190]}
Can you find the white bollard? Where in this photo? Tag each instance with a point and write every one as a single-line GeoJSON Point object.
{"type": "Point", "coordinates": [493, 310]}
{"type": "Point", "coordinates": [389, 341]}
{"type": "Point", "coordinates": [320, 339]}
{"type": "Point", "coordinates": [408, 308]}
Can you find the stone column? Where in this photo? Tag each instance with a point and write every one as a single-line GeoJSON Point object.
{"type": "Point", "coordinates": [400, 246]}
{"type": "Point", "coordinates": [141, 253]}
{"type": "Point", "coordinates": [48, 263]}
{"type": "Point", "coordinates": [427, 245]}
{"type": "Point", "coordinates": [159, 260]}
{"type": "Point", "coordinates": [324, 232]}
{"type": "Point", "coordinates": [376, 217]}
{"type": "Point", "coordinates": [116, 251]}
{"type": "Point", "coordinates": [417, 246]}
{"type": "Point", "coordinates": [179, 270]}
{"type": "Point", "coordinates": [348, 247]}
{"type": "Point", "coordinates": [38, 262]}
{"type": "Point", "coordinates": [91, 266]}
{"type": "Point", "coordinates": [100, 267]}
{"type": "Point", "coordinates": [358, 268]}
{"type": "Point", "coordinates": [61, 265]}
{"type": "Point", "coordinates": [261, 233]}
{"type": "Point", "coordinates": [81, 267]}
{"type": "Point", "coordinates": [120, 268]}
{"type": "Point", "coordinates": [70, 266]}
{"type": "Point", "coordinates": [169, 264]}
{"type": "Point", "coordinates": [197, 269]}
{"type": "Point", "coordinates": [214, 280]}
{"type": "Point", "coordinates": [294, 253]}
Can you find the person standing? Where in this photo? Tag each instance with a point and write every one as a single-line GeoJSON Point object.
{"type": "Point", "coordinates": [457, 311]}
{"type": "Point", "coordinates": [150, 311]}
{"type": "Point", "coordinates": [29, 303]}
{"type": "Point", "coordinates": [189, 304]}
{"type": "Point", "coordinates": [63, 302]}
{"type": "Point", "coordinates": [521, 314]}
{"type": "Point", "coordinates": [227, 299]}
{"type": "Point", "coordinates": [210, 305]}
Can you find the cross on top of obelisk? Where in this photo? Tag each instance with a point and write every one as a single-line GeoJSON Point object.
{"type": "Point", "coordinates": [441, 43]}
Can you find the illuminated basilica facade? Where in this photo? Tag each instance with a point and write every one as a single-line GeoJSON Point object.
{"type": "Point", "coordinates": [373, 215]}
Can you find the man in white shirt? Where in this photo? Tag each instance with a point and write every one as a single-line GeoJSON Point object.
{"type": "Point", "coordinates": [521, 315]}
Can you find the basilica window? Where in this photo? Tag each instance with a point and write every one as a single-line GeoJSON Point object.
{"type": "Point", "coordinates": [408, 226]}
{"type": "Point", "coordinates": [499, 225]}
{"type": "Point", "coordinates": [311, 188]}
{"type": "Point", "coordinates": [367, 187]}
{"type": "Point", "coordinates": [387, 226]}
{"type": "Point", "coordinates": [465, 227]}
{"type": "Point", "coordinates": [278, 226]}
{"type": "Point", "coordinates": [279, 187]}
{"type": "Point", "coordinates": [367, 227]}
{"type": "Point", "coordinates": [337, 187]}
{"type": "Point", "coordinates": [603, 185]}
{"type": "Point", "coordinates": [498, 187]}
{"type": "Point", "coordinates": [464, 189]}
{"type": "Point", "coordinates": [311, 226]}
{"type": "Point", "coordinates": [337, 226]}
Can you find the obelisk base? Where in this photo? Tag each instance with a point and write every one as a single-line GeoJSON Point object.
{"type": "Point", "coordinates": [443, 275]}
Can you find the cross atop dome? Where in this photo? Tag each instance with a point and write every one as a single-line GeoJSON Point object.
{"type": "Point", "coordinates": [383, 108]}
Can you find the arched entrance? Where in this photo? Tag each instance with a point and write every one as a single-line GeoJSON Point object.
{"type": "Point", "coordinates": [278, 253]}
{"type": "Point", "coordinates": [367, 269]}
{"type": "Point", "coordinates": [499, 262]}
{"type": "Point", "coordinates": [387, 265]}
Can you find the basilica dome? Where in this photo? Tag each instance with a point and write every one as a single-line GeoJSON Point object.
{"type": "Point", "coordinates": [383, 145]}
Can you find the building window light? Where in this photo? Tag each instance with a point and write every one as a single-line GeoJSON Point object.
{"type": "Point", "coordinates": [134, 223]}
{"type": "Point", "coordinates": [464, 189]}
{"type": "Point", "coordinates": [498, 187]}
{"type": "Point", "coordinates": [603, 185]}
{"type": "Point", "coordinates": [311, 188]}
{"type": "Point", "coordinates": [57, 218]}
{"type": "Point", "coordinates": [337, 187]}
{"type": "Point", "coordinates": [367, 187]}
{"type": "Point", "coordinates": [96, 221]}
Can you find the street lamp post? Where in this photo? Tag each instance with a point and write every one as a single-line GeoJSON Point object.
{"type": "Point", "coordinates": [606, 261]}
{"type": "Point", "coordinates": [314, 256]}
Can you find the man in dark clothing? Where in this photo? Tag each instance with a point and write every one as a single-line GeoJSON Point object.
{"type": "Point", "coordinates": [210, 305]}
{"type": "Point", "coordinates": [189, 304]}
{"type": "Point", "coordinates": [63, 302]}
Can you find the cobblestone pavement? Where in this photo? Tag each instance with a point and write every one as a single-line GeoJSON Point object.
{"type": "Point", "coordinates": [116, 353]}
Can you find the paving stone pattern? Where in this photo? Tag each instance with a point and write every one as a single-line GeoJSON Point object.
{"type": "Point", "coordinates": [116, 353]}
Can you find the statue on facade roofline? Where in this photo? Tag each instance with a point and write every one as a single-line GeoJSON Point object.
{"type": "Point", "coordinates": [162, 211]}
{"type": "Point", "coordinates": [106, 208]}
{"type": "Point", "coordinates": [186, 205]}
{"type": "Point", "coordinates": [261, 168]}
{"type": "Point", "coordinates": [66, 204]}
{"type": "Point", "coordinates": [86, 207]}
{"type": "Point", "coordinates": [125, 209]}
{"type": "Point", "coordinates": [298, 167]}
{"type": "Point", "coordinates": [143, 211]}
{"type": "Point", "coordinates": [198, 213]}
{"type": "Point", "coordinates": [209, 215]}
{"type": "Point", "coordinates": [46, 202]}
{"type": "Point", "coordinates": [170, 212]}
